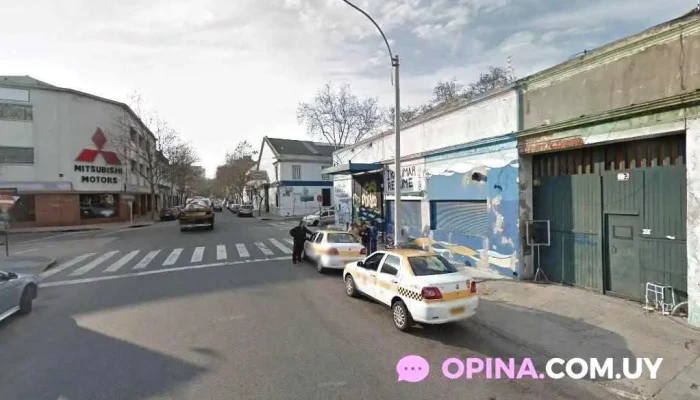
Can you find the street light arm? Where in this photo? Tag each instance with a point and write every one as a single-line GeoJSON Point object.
{"type": "Point", "coordinates": [391, 55]}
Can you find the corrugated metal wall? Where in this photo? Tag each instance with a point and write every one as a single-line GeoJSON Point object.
{"type": "Point", "coordinates": [464, 217]}
{"type": "Point", "coordinates": [576, 189]}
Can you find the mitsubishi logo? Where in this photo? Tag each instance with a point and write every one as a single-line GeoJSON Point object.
{"type": "Point", "coordinates": [89, 155]}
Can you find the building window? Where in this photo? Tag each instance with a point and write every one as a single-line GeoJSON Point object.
{"type": "Point", "coordinates": [16, 112]}
{"type": "Point", "coordinates": [23, 210]}
{"type": "Point", "coordinates": [16, 155]}
{"type": "Point", "coordinates": [325, 177]}
{"type": "Point", "coordinates": [296, 171]}
{"type": "Point", "coordinates": [133, 135]}
{"type": "Point", "coordinates": [99, 206]}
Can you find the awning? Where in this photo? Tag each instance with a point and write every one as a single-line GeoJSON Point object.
{"type": "Point", "coordinates": [351, 168]}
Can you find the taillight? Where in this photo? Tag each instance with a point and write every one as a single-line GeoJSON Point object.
{"type": "Point", "coordinates": [363, 251]}
{"type": "Point", "coordinates": [333, 251]}
{"type": "Point", "coordinates": [431, 293]}
{"type": "Point", "coordinates": [472, 287]}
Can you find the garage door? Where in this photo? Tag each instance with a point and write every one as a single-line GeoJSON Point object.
{"type": "Point", "coordinates": [463, 217]}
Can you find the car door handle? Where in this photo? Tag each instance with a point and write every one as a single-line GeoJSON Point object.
{"type": "Point", "coordinates": [394, 281]}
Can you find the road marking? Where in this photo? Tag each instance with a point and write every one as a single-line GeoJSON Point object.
{"type": "Point", "coordinates": [122, 261]}
{"type": "Point", "coordinates": [221, 252]}
{"type": "Point", "coordinates": [198, 254]}
{"type": "Point", "coordinates": [25, 251]}
{"type": "Point", "coordinates": [172, 258]}
{"type": "Point", "coordinates": [147, 260]}
{"type": "Point", "coordinates": [94, 263]}
{"type": "Point", "coordinates": [279, 245]}
{"type": "Point", "coordinates": [158, 271]}
{"type": "Point", "coordinates": [66, 265]}
{"type": "Point", "coordinates": [290, 241]}
{"type": "Point", "coordinates": [264, 248]}
{"type": "Point", "coordinates": [242, 251]}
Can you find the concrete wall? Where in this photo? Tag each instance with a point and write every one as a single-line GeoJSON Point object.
{"type": "Point", "coordinates": [63, 125]}
{"type": "Point", "coordinates": [490, 117]}
{"type": "Point", "coordinates": [297, 200]}
{"type": "Point", "coordinates": [660, 63]}
{"type": "Point", "coordinates": [310, 171]}
{"type": "Point", "coordinates": [267, 162]}
{"type": "Point", "coordinates": [693, 223]}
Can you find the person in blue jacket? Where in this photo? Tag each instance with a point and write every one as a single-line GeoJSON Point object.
{"type": "Point", "coordinates": [373, 233]}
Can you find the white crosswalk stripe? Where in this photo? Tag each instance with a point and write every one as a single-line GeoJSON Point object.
{"type": "Point", "coordinates": [221, 252]}
{"type": "Point", "coordinates": [242, 251]}
{"type": "Point", "coordinates": [121, 262]}
{"type": "Point", "coordinates": [279, 245]}
{"type": "Point", "coordinates": [147, 260]}
{"type": "Point", "coordinates": [172, 258]}
{"type": "Point", "coordinates": [93, 264]}
{"type": "Point", "coordinates": [264, 248]}
{"type": "Point", "coordinates": [66, 265]}
{"type": "Point", "coordinates": [197, 255]}
{"type": "Point", "coordinates": [110, 262]}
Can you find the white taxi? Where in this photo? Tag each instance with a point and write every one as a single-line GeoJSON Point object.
{"type": "Point", "coordinates": [332, 249]}
{"type": "Point", "coordinates": [419, 286]}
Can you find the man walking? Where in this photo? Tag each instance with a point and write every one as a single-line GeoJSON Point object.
{"type": "Point", "coordinates": [299, 234]}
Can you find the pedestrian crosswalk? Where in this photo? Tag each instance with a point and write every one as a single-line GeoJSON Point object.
{"type": "Point", "coordinates": [117, 261]}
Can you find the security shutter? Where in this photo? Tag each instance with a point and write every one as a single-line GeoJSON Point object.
{"type": "Point", "coordinates": [465, 217]}
{"type": "Point", "coordinates": [411, 214]}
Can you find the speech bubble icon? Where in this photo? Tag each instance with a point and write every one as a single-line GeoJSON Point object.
{"type": "Point", "coordinates": [412, 369]}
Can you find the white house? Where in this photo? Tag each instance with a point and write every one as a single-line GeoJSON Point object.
{"type": "Point", "coordinates": [296, 186]}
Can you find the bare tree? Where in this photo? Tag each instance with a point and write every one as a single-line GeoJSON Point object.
{"type": "Point", "coordinates": [143, 144]}
{"type": "Point", "coordinates": [447, 90]}
{"type": "Point", "coordinates": [339, 117]}
{"type": "Point", "coordinates": [181, 159]}
{"type": "Point", "coordinates": [496, 77]}
{"type": "Point", "coordinates": [231, 176]}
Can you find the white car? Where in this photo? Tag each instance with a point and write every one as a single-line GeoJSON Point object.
{"type": "Point", "coordinates": [322, 218]}
{"type": "Point", "coordinates": [419, 286]}
{"type": "Point", "coordinates": [332, 249]}
{"type": "Point", "coordinates": [17, 292]}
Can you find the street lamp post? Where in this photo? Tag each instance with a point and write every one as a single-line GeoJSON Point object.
{"type": "Point", "coordinates": [397, 130]}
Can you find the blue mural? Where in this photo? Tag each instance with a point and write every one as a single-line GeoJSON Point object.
{"type": "Point", "coordinates": [474, 207]}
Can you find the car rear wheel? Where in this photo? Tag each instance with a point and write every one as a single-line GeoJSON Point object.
{"type": "Point", "coordinates": [350, 288]}
{"type": "Point", "coordinates": [25, 302]}
{"type": "Point", "coordinates": [402, 318]}
{"type": "Point", "coordinates": [320, 268]}
{"type": "Point", "coordinates": [315, 223]}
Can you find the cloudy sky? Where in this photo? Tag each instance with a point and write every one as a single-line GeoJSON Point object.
{"type": "Point", "coordinates": [225, 70]}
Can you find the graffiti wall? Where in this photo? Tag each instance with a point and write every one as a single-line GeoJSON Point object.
{"type": "Point", "coordinates": [367, 199]}
{"type": "Point", "coordinates": [473, 201]}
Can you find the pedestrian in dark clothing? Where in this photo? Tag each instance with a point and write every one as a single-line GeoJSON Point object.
{"type": "Point", "coordinates": [373, 233]}
{"type": "Point", "coordinates": [364, 235]}
{"type": "Point", "coordinates": [299, 233]}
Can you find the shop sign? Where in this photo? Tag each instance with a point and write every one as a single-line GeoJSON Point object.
{"type": "Point", "coordinates": [412, 179]}
{"type": "Point", "coordinates": [539, 146]}
{"type": "Point", "coordinates": [98, 174]}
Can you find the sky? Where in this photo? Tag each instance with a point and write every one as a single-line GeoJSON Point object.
{"type": "Point", "coordinates": [221, 71]}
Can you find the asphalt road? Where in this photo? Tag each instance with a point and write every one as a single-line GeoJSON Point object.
{"type": "Point", "coordinates": [227, 326]}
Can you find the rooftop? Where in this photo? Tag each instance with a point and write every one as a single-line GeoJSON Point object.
{"type": "Point", "coordinates": [289, 147]}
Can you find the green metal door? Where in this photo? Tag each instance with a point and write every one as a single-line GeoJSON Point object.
{"type": "Point", "coordinates": [623, 271]}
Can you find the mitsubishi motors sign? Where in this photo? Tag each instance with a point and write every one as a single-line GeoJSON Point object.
{"type": "Point", "coordinates": [97, 168]}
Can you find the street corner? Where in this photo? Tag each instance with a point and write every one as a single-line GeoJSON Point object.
{"type": "Point", "coordinates": [27, 264]}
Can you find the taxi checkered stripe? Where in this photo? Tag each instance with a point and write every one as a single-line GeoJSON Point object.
{"type": "Point", "coordinates": [410, 294]}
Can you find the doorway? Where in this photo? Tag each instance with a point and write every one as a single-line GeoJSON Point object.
{"type": "Point", "coordinates": [326, 197]}
{"type": "Point", "coordinates": [622, 269]}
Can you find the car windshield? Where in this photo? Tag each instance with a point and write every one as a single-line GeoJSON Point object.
{"type": "Point", "coordinates": [247, 207]}
{"type": "Point", "coordinates": [430, 265]}
{"type": "Point", "coordinates": [199, 202]}
{"type": "Point", "coordinates": [341, 238]}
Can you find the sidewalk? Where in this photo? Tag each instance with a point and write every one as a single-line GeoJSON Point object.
{"type": "Point", "coordinates": [273, 217]}
{"type": "Point", "coordinates": [557, 321]}
{"type": "Point", "coordinates": [139, 222]}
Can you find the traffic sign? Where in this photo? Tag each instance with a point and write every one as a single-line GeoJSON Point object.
{"type": "Point", "coordinates": [319, 198]}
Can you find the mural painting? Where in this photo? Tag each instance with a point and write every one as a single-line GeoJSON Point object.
{"type": "Point", "coordinates": [367, 199]}
{"type": "Point", "coordinates": [474, 207]}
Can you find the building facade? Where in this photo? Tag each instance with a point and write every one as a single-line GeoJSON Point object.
{"type": "Point", "coordinates": [295, 185]}
{"type": "Point", "coordinates": [59, 153]}
{"type": "Point", "coordinates": [459, 182]}
{"type": "Point", "coordinates": [609, 157]}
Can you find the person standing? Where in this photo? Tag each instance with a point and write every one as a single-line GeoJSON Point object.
{"type": "Point", "coordinates": [299, 233]}
{"type": "Point", "coordinates": [364, 236]}
{"type": "Point", "coordinates": [373, 233]}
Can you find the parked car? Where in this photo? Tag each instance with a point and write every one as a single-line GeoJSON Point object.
{"type": "Point", "coordinates": [198, 213]}
{"type": "Point", "coordinates": [332, 249]}
{"type": "Point", "coordinates": [17, 292]}
{"type": "Point", "coordinates": [321, 217]}
{"type": "Point", "coordinates": [234, 207]}
{"type": "Point", "coordinates": [218, 207]}
{"type": "Point", "coordinates": [419, 286]}
{"type": "Point", "coordinates": [245, 211]}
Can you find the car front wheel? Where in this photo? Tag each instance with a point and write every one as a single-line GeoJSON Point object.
{"type": "Point", "coordinates": [350, 288]}
{"type": "Point", "coordinates": [25, 302]}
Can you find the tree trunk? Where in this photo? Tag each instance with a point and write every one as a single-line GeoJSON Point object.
{"type": "Point", "coordinates": [153, 202]}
